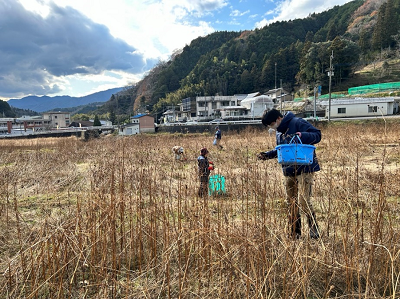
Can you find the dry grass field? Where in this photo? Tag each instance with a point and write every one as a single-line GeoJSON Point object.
{"type": "Point", "coordinates": [117, 217]}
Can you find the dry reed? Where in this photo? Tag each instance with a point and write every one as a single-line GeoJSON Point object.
{"type": "Point", "coordinates": [118, 218]}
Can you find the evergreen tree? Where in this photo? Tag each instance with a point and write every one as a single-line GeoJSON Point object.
{"type": "Point", "coordinates": [113, 117]}
{"type": "Point", "coordinates": [377, 36]}
{"type": "Point", "coordinates": [346, 54]}
{"type": "Point", "coordinates": [96, 122]}
{"type": "Point", "coordinates": [390, 25]}
{"type": "Point", "coordinates": [309, 36]}
{"type": "Point", "coordinates": [332, 33]}
{"type": "Point", "coordinates": [363, 42]}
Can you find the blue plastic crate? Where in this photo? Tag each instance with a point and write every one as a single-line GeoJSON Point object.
{"type": "Point", "coordinates": [295, 153]}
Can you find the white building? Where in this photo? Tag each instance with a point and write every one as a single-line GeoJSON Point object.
{"type": "Point", "coordinates": [355, 107]}
{"type": "Point", "coordinates": [140, 123]}
{"type": "Point", "coordinates": [57, 119]}
{"type": "Point", "coordinates": [209, 107]}
{"type": "Point", "coordinates": [129, 129]}
{"type": "Point", "coordinates": [279, 95]}
{"type": "Point", "coordinates": [24, 124]}
{"type": "Point", "coordinates": [239, 106]}
{"type": "Point", "coordinates": [256, 104]}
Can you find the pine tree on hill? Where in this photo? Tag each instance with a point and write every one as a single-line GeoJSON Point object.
{"type": "Point", "coordinates": [96, 122]}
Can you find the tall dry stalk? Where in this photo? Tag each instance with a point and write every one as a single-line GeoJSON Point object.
{"type": "Point", "coordinates": [119, 218]}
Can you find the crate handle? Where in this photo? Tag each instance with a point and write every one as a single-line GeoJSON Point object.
{"type": "Point", "coordinates": [295, 135]}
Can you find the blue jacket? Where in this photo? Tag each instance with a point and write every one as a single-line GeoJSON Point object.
{"type": "Point", "coordinates": [217, 134]}
{"type": "Point", "coordinates": [309, 135]}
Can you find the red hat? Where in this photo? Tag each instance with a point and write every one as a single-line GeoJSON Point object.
{"type": "Point", "coordinates": [204, 151]}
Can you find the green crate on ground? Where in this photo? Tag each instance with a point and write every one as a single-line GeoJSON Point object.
{"type": "Point", "coordinates": [216, 185]}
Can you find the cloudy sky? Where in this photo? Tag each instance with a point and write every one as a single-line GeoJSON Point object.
{"type": "Point", "coordinates": [77, 47]}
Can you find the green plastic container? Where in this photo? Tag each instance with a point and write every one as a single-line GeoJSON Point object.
{"type": "Point", "coordinates": [216, 185]}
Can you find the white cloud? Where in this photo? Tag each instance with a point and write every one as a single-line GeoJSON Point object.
{"type": "Point", "coordinates": [297, 9]}
{"type": "Point", "coordinates": [237, 13]}
{"type": "Point", "coordinates": [36, 7]}
{"type": "Point", "coordinates": [79, 84]}
{"type": "Point", "coordinates": [155, 28]}
{"type": "Point", "coordinates": [41, 53]}
{"type": "Point", "coordinates": [67, 46]}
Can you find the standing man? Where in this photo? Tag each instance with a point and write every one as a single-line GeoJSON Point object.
{"type": "Point", "coordinates": [298, 178]}
{"type": "Point", "coordinates": [204, 169]}
{"type": "Point", "coordinates": [217, 138]}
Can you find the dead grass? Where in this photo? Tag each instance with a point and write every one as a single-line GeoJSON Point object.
{"type": "Point", "coordinates": [118, 218]}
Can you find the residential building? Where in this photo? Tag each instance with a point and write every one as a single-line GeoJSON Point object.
{"type": "Point", "coordinates": [174, 114]}
{"type": "Point", "coordinates": [209, 107]}
{"type": "Point", "coordinates": [256, 104]}
{"type": "Point", "coordinates": [129, 129]}
{"type": "Point", "coordinates": [279, 95]}
{"type": "Point", "coordinates": [187, 111]}
{"type": "Point", "coordinates": [57, 119]}
{"type": "Point", "coordinates": [24, 123]}
{"type": "Point", "coordinates": [140, 123]}
{"type": "Point", "coordinates": [355, 107]}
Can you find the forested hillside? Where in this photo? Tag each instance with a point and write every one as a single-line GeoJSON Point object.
{"type": "Point", "coordinates": [295, 53]}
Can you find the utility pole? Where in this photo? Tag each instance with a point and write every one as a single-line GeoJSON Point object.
{"type": "Point", "coordinates": [330, 74]}
{"type": "Point", "coordinates": [197, 105]}
{"type": "Point", "coordinates": [315, 103]}
{"type": "Point", "coordinates": [275, 75]}
{"type": "Point", "coordinates": [281, 95]}
{"type": "Point", "coordinates": [205, 100]}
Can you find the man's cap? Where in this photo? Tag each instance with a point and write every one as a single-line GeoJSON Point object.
{"type": "Point", "coordinates": [270, 116]}
{"type": "Point", "coordinates": [204, 151]}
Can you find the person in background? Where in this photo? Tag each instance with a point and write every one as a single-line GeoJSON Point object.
{"type": "Point", "coordinates": [179, 153]}
{"type": "Point", "coordinates": [298, 178]}
{"type": "Point", "coordinates": [204, 169]}
{"type": "Point", "coordinates": [217, 138]}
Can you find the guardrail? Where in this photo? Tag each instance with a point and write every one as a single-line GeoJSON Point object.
{"type": "Point", "coordinates": [53, 131]}
{"type": "Point", "coordinates": [206, 123]}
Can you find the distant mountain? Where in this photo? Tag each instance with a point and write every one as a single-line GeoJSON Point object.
{"type": "Point", "coordinates": [46, 103]}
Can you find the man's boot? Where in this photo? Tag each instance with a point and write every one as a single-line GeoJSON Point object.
{"type": "Point", "coordinates": [312, 224]}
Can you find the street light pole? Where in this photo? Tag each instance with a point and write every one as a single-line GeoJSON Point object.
{"type": "Point", "coordinates": [330, 74]}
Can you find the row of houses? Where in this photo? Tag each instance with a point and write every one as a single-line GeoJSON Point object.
{"type": "Point", "coordinates": [206, 108]}
{"type": "Point", "coordinates": [48, 121]}
{"type": "Point", "coordinates": [61, 121]}
{"type": "Point", "coordinates": [238, 106]}
{"type": "Point", "coordinates": [252, 106]}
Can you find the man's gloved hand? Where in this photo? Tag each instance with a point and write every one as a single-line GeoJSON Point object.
{"type": "Point", "coordinates": [262, 156]}
{"type": "Point", "coordinates": [209, 162]}
{"type": "Point", "coordinates": [289, 137]}
{"type": "Point", "coordinates": [210, 167]}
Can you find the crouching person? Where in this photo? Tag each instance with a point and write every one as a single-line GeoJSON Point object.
{"type": "Point", "coordinates": [298, 178]}
{"type": "Point", "coordinates": [179, 153]}
{"type": "Point", "coordinates": [204, 169]}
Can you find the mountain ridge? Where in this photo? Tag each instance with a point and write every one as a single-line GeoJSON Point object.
{"type": "Point", "coordinates": [47, 103]}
